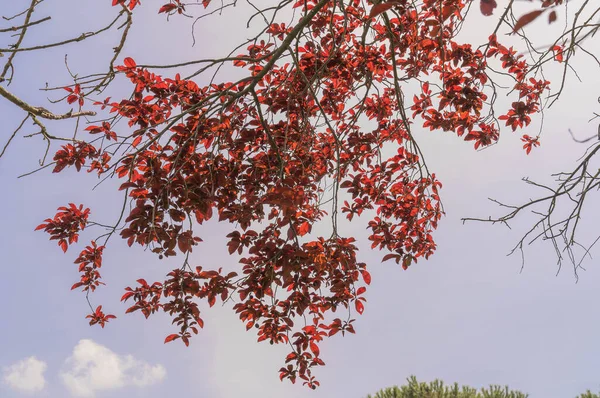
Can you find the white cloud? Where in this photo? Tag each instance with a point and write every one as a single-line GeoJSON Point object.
{"type": "Point", "coordinates": [26, 375]}
{"type": "Point", "coordinates": [93, 367]}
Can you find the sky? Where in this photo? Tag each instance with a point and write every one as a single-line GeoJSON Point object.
{"type": "Point", "coordinates": [469, 314]}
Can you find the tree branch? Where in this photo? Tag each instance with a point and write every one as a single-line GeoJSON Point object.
{"type": "Point", "coordinates": [40, 111]}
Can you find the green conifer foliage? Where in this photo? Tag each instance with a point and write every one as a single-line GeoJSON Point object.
{"type": "Point", "coordinates": [437, 389]}
{"type": "Point", "coordinates": [588, 394]}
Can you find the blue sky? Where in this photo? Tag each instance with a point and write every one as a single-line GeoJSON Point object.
{"type": "Point", "coordinates": [467, 315]}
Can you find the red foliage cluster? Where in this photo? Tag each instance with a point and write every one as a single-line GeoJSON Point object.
{"type": "Point", "coordinates": [89, 260]}
{"type": "Point", "coordinates": [99, 317]}
{"type": "Point", "coordinates": [66, 224]}
{"type": "Point", "coordinates": [131, 4]}
{"type": "Point", "coordinates": [530, 143]}
{"type": "Point", "coordinates": [104, 128]}
{"type": "Point", "coordinates": [75, 95]}
{"type": "Point", "coordinates": [530, 90]}
{"type": "Point", "coordinates": [74, 155]}
{"type": "Point", "coordinates": [256, 154]}
{"type": "Point", "coordinates": [181, 288]}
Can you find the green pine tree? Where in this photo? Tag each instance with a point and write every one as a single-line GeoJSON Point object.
{"type": "Point", "coordinates": [588, 394]}
{"type": "Point", "coordinates": [437, 389]}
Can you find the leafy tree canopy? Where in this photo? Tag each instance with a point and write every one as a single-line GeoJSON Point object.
{"type": "Point", "coordinates": [306, 125]}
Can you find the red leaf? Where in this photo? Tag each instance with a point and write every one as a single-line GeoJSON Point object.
{"type": "Point", "coordinates": [366, 276]}
{"type": "Point", "coordinates": [359, 306]}
{"type": "Point", "coordinates": [389, 257]}
{"type": "Point", "coordinates": [136, 141]}
{"type": "Point", "coordinates": [167, 8]}
{"type": "Point", "coordinates": [379, 8]}
{"type": "Point", "coordinates": [314, 348]}
{"type": "Point", "coordinates": [41, 226]}
{"type": "Point", "coordinates": [232, 246]}
{"type": "Point", "coordinates": [126, 296]}
{"type": "Point", "coordinates": [183, 244]}
{"type": "Point", "coordinates": [552, 17]}
{"type": "Point", "coordinates": [171, 337]}
{"type": "Point", "coordinates": [129, 62]}
{"type": "Point", "coordinates": [527, 19]}
{"type": "Point", "coordinates": [558, 53]}
{"type": "Point", "coordinates": [487, 7]}
{"type": "Point", "coordinates": [304, 228]}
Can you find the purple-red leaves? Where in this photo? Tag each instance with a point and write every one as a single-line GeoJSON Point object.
{"type": "Point", "coordinates": [266, 155]}
{"type": "Point", "coordinates": [392, 256]}
{"type": "Point", "coordinates": [171, 337]}
{"type": "Point", "coordinates": [105, 129]}
{"type": "Point", "coordinates": [380, 8]}
{"type": "Point", "coordinates": [530, 142]}
{"type": "Point", "coordinates": [76, 95]}
{"type": "Point", "coordinates": [487, 7]}
{"type": "Point", "coordinates": [99, 317]}
{"type": "Point", "coordinates": [167, 8]}
{"type": "Point", "coordinates": [66, 224]}
{"type": "Point", "coordinates": [89, 261]}
{"type": "Point", "coordinates": [359, 306]}
{"type": "Point", "coordinates": [558, 53]}
{"type": "Point", "coordinates": [74, 155]}
{"type": "Point", "coordinates": [131, 5]}
{"type": "Point", "coordinates": [129, 63]}
{"type": "Point", "coordinates": [366, 276]}
{"type": "Point", "coordinates": [173, 6]}
{"type": "Point", "coordinates": [527, 19]}
{"type": "Point", "coordinates": [314, 348]}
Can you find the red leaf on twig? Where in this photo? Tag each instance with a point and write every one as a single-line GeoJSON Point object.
{"type": "Point", "coordinates": [380, 8]}
{"type": "Point", "coordinates": [487, 7]}
{"type": "Point", "coordinates": [527, 19]}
